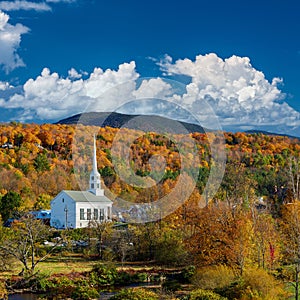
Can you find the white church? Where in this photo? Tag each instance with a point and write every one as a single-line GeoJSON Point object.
{"type": "Point", "coordinates": [76, 209]}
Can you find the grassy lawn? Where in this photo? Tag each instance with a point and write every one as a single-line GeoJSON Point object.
{"type": "Point", "coordinates": [56, 264]}
{"type": "Point", "coordinates": [65, 264]}
{"type": "Point", "coordinates": [72, 262]}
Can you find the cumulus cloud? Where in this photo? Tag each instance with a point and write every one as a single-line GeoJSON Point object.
{"type": "Point", "coordinates": [50, 96]}
{"type": "Point", "coordinates": [24, 5]}
{"type": "Point", "coordinates": [10, 38]}
{"type": "Point", "coordinates": [3, 20]}
{"type": "Point", "coordinates": [153, 88]}
{"type": "Point", "coordinates": [72, 73]}
{"type": "Point", "coordinates": [4, 86]}
{"type": "Point", "coordinates": [237, 92]}
{"type": "Point", "coordinates": [232, 89]}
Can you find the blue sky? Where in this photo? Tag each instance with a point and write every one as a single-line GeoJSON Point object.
{"type": "Point", "coordinates": [61, 57]}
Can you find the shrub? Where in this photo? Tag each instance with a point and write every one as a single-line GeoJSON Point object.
{"type": "Point", "coordinates": [215, 277]}
{"type": "Point", "coordinates": [135, 294]}
{"type": "Point", "coordinates": [140, 277]}
{"type": "Point", "coordinates": [84, 293]}
{"type": "Point", "coordinates": [184, 276]}
{"type": "Point", "coordinates": [255, 284]}
{"type": "Point", "coordinates": [233, 291]}
{"type": "Point", "coordinates": [188, 273]}
{"type": "Point", "coordinates": [103, 275]}
{"type": "Point", "coordinates": [60, 286]}
{"type": "Point", "coordinates": [39, 282]}
{"type": "Point", "coordinates": [171, 286]}
{"type": "Point", "coordinates": [127, 277]}
{"type": "Point", "coordinates": [259, 284]}
{"type": "Point", "coordinates": [200, 294]}
{"type": "Point", "coordinates": [123, 278]}
{"type": "Point", "coordinates": [77, 287]}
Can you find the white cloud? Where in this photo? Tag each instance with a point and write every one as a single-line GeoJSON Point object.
{"type": "Point", "coordinates": [153, 88]}
{"type": "Point", "coordinates": [4, 86]}
{"type": "Point", "coordinates": [50, 96]}
{"type": "Point", "coordinates": [24, 5]}
{"type": "Point", "coordinates": [72, 73]}
{"type": "Point", "coordinates": [238, 93]}
{"type": "Point", "coordinates": [10, 38]}
{"type": "Point", "coordinates": [3, 20]}
{"type": "Point", "coordinates": [10, 35]}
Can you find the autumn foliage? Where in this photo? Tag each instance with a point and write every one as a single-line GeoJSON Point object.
{"type": "Point", "coordinates": [45, 159]}
{"type": "Point", "coordinates": [249, 225]}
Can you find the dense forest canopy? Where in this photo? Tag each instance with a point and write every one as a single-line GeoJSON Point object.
{"type": "Point", "coordinates": [38, 161]}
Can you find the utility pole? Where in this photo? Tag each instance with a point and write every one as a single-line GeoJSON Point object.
{"type": "Point", "coordinates": [66, 213]}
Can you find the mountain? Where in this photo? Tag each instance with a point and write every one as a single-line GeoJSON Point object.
{"type": "Point", "coordinates": [118, 120]}
{"type": "Point", "coordinates": [270, 133]}
{"type": "Point", "coordinates": [148, 122]}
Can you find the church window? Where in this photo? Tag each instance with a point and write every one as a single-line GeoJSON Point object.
{"type": "Point", "coordinates": [101, 214]}
{"type": "Point", "coordinates": [81, 213]}
{"type": "Point", "coordinates": [92, 185]}
{"type": "Point", "coordinates": [95, 214]}
{"type": "Point", "coordinates": [88, 214]}
{"type": "Point", "coordinates": [98, 186]}
{"type": "Point", "coordinates": [92, 177]}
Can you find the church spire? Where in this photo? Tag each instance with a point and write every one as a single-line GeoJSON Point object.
{"type": "Point", "coordinates": [95, 169]}
{"type": "Point", "coordinates": [95, 183]}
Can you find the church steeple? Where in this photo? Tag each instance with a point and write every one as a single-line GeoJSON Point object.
{"type": "Point", "coordinates": [95, 183]}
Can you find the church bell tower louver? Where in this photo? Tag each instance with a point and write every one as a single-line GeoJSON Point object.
{"type": "Point", "coordinates": [95, 183]}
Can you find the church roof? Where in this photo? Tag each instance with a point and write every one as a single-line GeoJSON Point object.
{"type": "Point", "coordinates": [86, 196]}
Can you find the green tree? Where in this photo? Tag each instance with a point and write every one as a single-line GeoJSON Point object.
{"type": "Point", "coordinates": [237, 193]}
{"type": "Point", "coordinates": [170, 239]}
{"type": "Point", "coordinates": [9, 205]}
{"type": "Point", "coordinates": [41, 163]}
{"type": "Point", "coordinates": [42, 202]}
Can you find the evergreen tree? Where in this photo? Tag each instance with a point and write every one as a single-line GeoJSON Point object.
{"type": "Point", "coordinates": [9, 205]}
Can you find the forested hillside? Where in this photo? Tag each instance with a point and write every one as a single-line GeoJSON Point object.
{"type": "Point", "coordinates": [36, 162]}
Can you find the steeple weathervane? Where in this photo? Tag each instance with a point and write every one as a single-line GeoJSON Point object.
{"type": "Point", "coordinates": [95, 183]}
